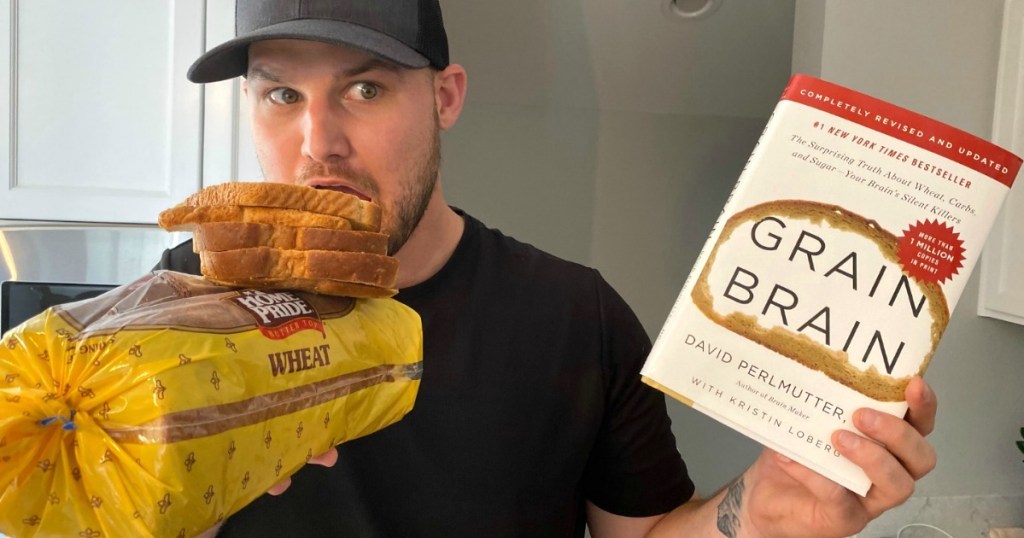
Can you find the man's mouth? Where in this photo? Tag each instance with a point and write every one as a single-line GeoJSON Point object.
{"type": "Point", "coordinates": [344, 189]}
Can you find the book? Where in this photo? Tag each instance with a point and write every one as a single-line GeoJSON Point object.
{"type": "Point", "coordinates": [830, 276]}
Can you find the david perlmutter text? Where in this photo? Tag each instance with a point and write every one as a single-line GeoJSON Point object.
{"type": "Point", "coordinates": [780, 385]}
{"type": "Point", "coordinates": [764, 376]}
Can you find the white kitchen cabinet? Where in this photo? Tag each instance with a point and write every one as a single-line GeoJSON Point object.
{"type": "Point", "coordinates": [99, 122]}
{"type": "Point", "coordinates": [1002, 280]}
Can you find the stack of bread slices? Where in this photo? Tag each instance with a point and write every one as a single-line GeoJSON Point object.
{"type": "Point", "coordinates": [274, 235]}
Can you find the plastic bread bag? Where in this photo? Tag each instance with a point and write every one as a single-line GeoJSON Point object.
{"type": "Point", "coordinates": [164, 406]}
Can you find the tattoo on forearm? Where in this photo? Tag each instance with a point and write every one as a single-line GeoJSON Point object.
{"type": "Point", "coordinates": [729, 509]}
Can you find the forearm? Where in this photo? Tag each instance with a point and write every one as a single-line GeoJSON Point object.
{"type": "Point", "coordinates": [720, 515]}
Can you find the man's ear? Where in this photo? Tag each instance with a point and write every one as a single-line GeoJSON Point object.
{"type": "Point", "coordinates": [449, 94]}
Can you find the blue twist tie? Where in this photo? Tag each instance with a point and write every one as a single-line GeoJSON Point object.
{"type": "Point", "coordinates": [68, 423]}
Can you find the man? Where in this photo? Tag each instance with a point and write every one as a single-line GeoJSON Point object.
{"type": "Point", "coordinates": [531, 420]}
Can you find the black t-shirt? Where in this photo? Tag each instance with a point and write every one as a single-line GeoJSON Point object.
{"type": "Point", "coordinates": [530, 403]}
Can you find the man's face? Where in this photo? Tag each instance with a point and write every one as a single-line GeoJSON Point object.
{"type": "Point", "coordinates": [333, 117]}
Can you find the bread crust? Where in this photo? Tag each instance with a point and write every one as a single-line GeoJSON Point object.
{"type": "Point", "coordinates": [258, 263]}
{"type": "Point", "coordinates": [364, 215]}
{"type": "Point", "coordinates": [312, 285]}
{"type": "Point", "coordinates": [186, 218]}
{"type": "Point", "coordinates": [220, 236]}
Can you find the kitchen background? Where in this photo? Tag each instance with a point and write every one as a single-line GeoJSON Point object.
{"type": "Point", "coordinates": [607, 132]}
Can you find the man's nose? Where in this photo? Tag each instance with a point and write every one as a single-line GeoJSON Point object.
{"type": "Point", "coordinates": [324, 133]}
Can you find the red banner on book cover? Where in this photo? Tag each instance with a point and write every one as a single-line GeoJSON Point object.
{"type": "Point", "coordinates": [910, 127]}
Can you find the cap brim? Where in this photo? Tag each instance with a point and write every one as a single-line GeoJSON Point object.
{"type": "Point", "coordinates": [231, 59]}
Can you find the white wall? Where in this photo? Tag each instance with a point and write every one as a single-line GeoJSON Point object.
{"type": "Point", "coordinates": [634, 192]}
{"type": "Point", "coordinates": [564, 145]}
{"type": "Point", "coordinates": [939, 58]}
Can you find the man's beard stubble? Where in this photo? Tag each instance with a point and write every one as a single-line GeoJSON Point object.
{"type": "Point", "coordinates": [412, 202]}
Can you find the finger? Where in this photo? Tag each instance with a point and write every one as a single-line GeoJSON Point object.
{"type": "Point", "coordinates": [922, 405]}
{"type": "Point", "coordinates": [211, 532]}
{"type": "Point", "coordinates": [900, 438]}
{"type": "Point", "coordinates": [327, 459]}
{"type": "Point", "coordinates": [280, 487]}
{"type": "Point", "coordinates": [892, 483]}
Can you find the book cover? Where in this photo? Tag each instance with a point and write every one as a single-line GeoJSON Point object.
{"type": "Point", "coordinates": [829, 278]}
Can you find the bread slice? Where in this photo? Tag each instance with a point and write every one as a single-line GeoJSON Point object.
{"type": "Point", "coordinates": [260, 263]}
{"type": "Point", "coordinates": [219, 236]}
{"type": "Point", "coordinates": [314, 285]}
{"type": "Point", "coordinates": [364, 215]}
{"type": "Point", "coordinates": [836, 364]}
{"type": "Point", "coordinates": [183, 218]}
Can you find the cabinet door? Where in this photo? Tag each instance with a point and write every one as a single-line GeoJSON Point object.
{"type": "Point", "coordinates": [97, 120]}
{"type": "Point", "coordinates": [1002, 286]}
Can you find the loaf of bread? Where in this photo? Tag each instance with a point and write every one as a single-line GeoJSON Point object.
{"type": "Point", "coordinates": [164, 406]}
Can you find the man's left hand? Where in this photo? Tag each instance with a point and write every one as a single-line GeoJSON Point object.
{"type": "Point", "coordinates": [784, 498]}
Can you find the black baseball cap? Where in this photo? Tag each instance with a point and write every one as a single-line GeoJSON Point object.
{"type": "Point", "coordinates": [409, 33]}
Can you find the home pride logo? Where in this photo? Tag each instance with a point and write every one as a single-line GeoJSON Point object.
{"type": "Point", "coordinates": [279, 314]}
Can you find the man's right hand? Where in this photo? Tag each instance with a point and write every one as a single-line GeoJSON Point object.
{"type": "Point", "coordinates": [327, 459]}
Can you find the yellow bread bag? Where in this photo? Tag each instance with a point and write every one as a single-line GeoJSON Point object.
{"type": "Point", "coordinates": [166, 405]}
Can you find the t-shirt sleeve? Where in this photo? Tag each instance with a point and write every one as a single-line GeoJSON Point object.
{"type": "Point", "coordinates": [180, 259]}
{"type": "Point", "coordinates": [634, 468]}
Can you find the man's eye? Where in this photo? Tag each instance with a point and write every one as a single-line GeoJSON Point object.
{"type": "Point", "coordinates": [283, 96]}
{"type": "Point", "coordinates": [364, 91]}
